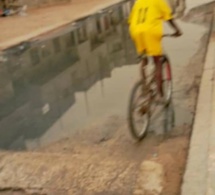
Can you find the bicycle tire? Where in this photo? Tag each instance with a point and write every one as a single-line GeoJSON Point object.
{"type": "Point", "coordinates": [166, 67]}
{"type": "Point", "coordinates": [131, 121]}
{"type": "Point", "coordinates": [169, 121]}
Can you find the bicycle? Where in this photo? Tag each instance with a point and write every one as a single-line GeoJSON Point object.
{"type": "Point", "coordinates": [147, 92]}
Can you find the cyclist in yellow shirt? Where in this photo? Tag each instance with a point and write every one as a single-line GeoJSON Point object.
{"type": "Point", "coordinates": [146, 29]}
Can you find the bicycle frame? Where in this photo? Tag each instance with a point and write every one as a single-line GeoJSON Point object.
{"type": "Point", "coordinates": [157, 75]}
{"type": "Point", "coordinates": [165, 59]}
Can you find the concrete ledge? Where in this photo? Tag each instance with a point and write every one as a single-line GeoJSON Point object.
{"type": "Point", "coordinates": [32, 4]}
{"type": "Point", "coordinates": [199, 178]}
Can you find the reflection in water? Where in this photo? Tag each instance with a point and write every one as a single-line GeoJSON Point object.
{"type": "Point", "coordinates": [49, 88]}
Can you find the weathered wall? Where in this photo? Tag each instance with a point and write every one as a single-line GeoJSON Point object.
{"type": "Point", "coordinates": [178, 7]}
{"type": "Point", "coordinates": [40, 3]}
{"type": "Point", "coordinates": [172, 3]}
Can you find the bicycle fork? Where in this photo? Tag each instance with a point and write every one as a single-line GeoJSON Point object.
{"type": "Point", "coordinates": [159, 62]}
{"type": "Point", "coordinates": [145, 88]}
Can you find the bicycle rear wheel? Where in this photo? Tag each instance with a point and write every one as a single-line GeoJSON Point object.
{"type": "Point", "coordinates": [139, 112]}
{"type": "Point", "coordinates": [169, 120]}
{"type": "Point", "coordinates": [166, 81]}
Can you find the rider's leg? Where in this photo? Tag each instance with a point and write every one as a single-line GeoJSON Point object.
{"type": "Point", "coordinates": [138, 38]}
{"type": "Point", "coordinates": [144, 62]}
{"type": "Point", "coordinates": [159, 78]}
{"type": "Point", "coordinates": [154, 49]}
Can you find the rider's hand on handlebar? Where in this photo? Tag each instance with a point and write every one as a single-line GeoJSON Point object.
{"type": "Point", "coordinates": [178, 33]}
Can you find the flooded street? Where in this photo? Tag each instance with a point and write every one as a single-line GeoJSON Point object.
{"type": "Point", "coordinates": [64, 99]}
{"type": "Point", "coordinates": [61, 84]}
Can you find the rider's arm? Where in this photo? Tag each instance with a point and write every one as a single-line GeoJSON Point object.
{"type": "Point", "coordinates": [166, 13]}
{"type": "Point", "coordinates": [173, 24]}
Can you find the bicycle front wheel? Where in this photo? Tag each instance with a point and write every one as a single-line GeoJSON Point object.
{"type": "Point", "coordinates": [139, 112]}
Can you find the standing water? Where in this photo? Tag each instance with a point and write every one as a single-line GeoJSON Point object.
{"type": "Point", "coordinates": [63, 81]}
{"type": "Point", "coordinates": [58, 84]}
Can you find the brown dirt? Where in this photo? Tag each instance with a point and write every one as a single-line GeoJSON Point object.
{"type": "Point", "coordinates": [172, 155]}
{"type": "Point", "coordinates": [171, 152]}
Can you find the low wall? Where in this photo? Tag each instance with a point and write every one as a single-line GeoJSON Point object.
{"type": "Point", "coordinates": [39, 3]}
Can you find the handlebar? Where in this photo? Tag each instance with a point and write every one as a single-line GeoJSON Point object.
{"type": "Point", "coordinates": [171, 35]}
{"type": "Point", "coordinates": [168, 35]}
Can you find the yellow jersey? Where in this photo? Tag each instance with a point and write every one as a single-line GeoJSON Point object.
{"type": "Point", "coordinates": [148, 16]}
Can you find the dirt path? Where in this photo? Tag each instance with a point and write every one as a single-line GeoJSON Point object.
{"type": "Point", "coordinates": [88, 165]}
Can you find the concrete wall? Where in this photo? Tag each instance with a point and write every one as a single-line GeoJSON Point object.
{"type": "Point", "coordinates": [178, 7]}
{"type": "Point", "coordinates": [40, 3]}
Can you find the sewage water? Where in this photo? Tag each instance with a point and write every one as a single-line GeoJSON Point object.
{"type": "Point", "coordinates": [54, 86]}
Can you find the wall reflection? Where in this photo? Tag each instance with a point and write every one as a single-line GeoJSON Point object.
{"type": "Point", "coordinates": [42, 80]}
